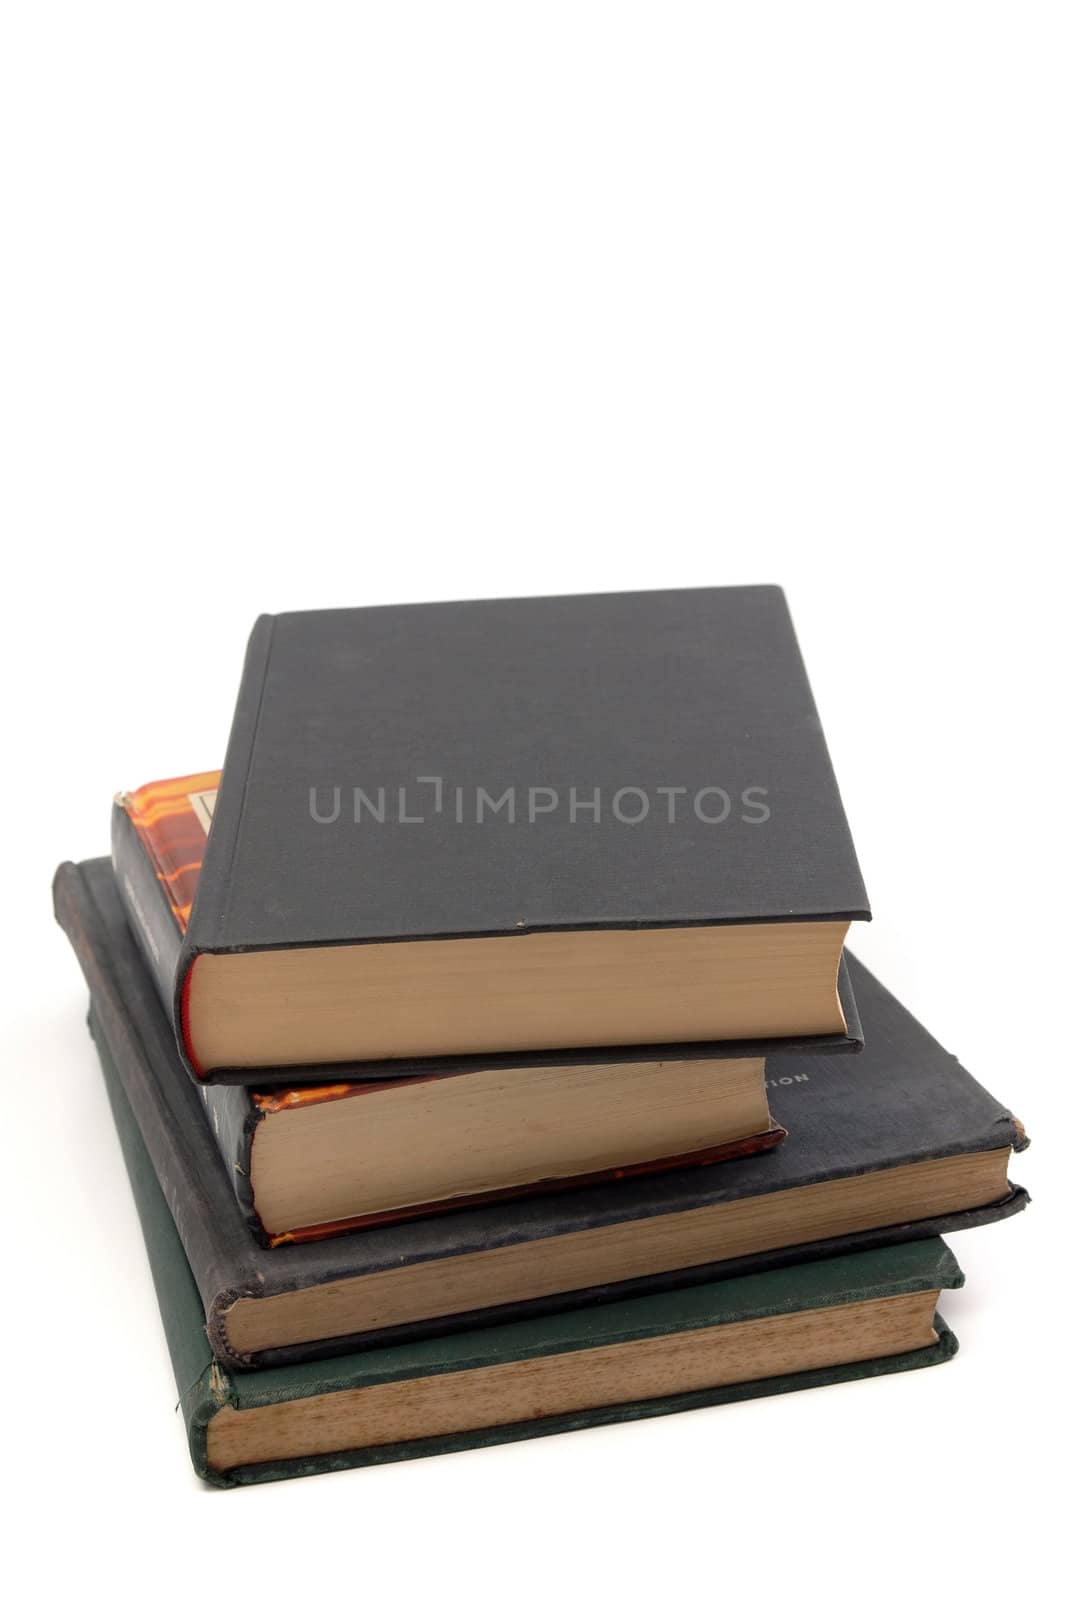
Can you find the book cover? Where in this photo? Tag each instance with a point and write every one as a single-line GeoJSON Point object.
{"type": "Point", "coordinates": [207, 1392]}
{"type": "Point", "coordinates": [902, 1102]}
{"type": "Point", "coordinates": [508, 771]}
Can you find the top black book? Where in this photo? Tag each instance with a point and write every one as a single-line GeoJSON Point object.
{"type": "Point", "coordinates": [520, 826]}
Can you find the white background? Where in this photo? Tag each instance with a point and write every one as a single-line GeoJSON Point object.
{"type": "Point", "coordinates": [309, 305]}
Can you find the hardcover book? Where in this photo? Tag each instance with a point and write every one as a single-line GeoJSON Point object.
{"type": "Point", "coordinates": [312, 1160]}
{"type": "Point", "coordinates": [829, 1322]}
{"type": "Point", "coordinates": [511, 829]}
{"type": "Point", "coordinates": [893, 1144]}
{"type": "Point", "coordinates": [325, 1159]}
{"type": "Point", "coordinates": [159, 833]}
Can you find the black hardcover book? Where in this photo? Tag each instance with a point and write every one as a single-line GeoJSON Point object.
{"type": "Point", "coordinates": [895, 1143]}
{"type": "Point", "coordinates": [159, 835]}
{"type": "Point", "coordinates": [511, 829]}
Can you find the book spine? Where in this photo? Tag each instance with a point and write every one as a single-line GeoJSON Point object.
{"type": "Point", "coordinates": [145, 901]}
{"type": "Point", "coordinates": [202, 1386]}
{"type": "Point", "coordinates": [196, 1375]}
{"type": "Point", "coordinates": [206, 927]}
{"type": "Point", "coordinates": [167, 1109]}
{"type": "Point", "coordinates": [233, 1116]}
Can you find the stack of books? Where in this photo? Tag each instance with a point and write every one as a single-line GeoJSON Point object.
{"type": "Point", "coordinates": [483, 1047]}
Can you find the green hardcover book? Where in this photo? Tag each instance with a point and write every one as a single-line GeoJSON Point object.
{"type": "Point", "coordinates": [846, 1317]}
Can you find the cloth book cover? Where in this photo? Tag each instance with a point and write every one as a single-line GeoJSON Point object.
{"type": "Point", "coordinates": [903, 1103]}
{"type": "Point", "coordinates": [208, 1394]}
{"type": "Point", "coordinates": [361, 808]}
